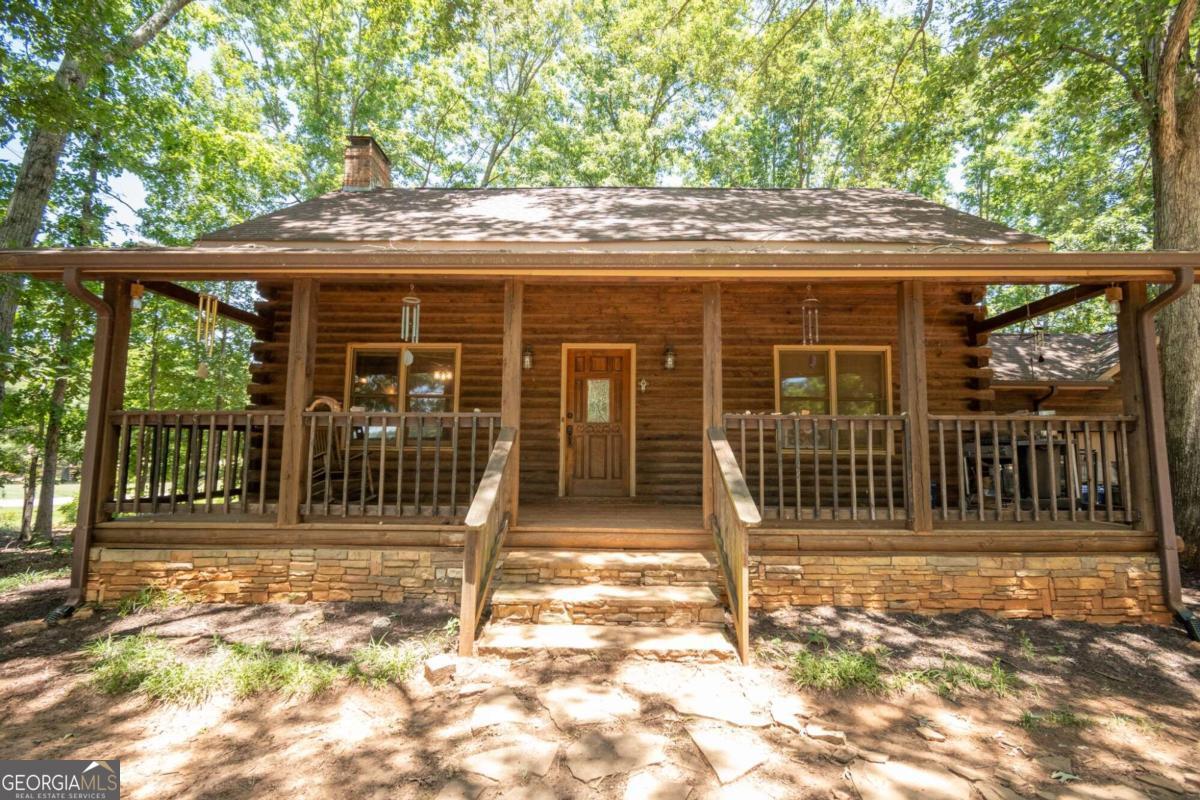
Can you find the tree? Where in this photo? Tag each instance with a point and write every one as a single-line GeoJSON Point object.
{"type": "Point", "coordinates": [92, 38]}
{"type": "Point", "coordinates": [1128, 60]}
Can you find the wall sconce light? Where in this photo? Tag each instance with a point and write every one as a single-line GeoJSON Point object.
{"type": "Point", "coordinates": [527, 358]}
{"type": "Point", "coordinates": [669, 358]}
{"type": "Point", "coordinates": [643, 385]}
{"type": "Point", "coordinates": [135, 296]}
{"type": "Point", "coordinates": [1114, 296]}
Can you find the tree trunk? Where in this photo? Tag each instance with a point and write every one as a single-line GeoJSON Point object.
{"type": "Point", "coordinates": [39, 164]}
{"type": "Point", "coordinates": [27, 207]}
{"type": "Point", "coordinates": [1177, 227]}
{"type": "Point", "coordinates": [58, 397]}
{"type": "Point", "coordinates": [27, 500]}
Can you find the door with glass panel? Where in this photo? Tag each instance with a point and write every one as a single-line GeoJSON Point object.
{"type": "Point", "coordinates": [596, 427]}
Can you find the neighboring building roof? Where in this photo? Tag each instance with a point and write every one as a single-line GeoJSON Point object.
{"type": "Point", "coordinates": [851, 216]}
{"type": "Point", "coordinates": [1068, 357]}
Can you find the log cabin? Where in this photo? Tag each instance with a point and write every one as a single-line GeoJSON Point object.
{"type": "Point", "coordinates": [628, 418]}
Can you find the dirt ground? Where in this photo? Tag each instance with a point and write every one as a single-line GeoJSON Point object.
{"type": "Point", "coordinates": [1130, 698]}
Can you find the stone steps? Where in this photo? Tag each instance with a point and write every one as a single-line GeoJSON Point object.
{"type": "Point", "coordinates": [652, 604]}
{"type": "Point", "coordinates": [608, 642]}
{"type": "Point", "coordinates": [608, 566]}
{"type": "Point", "coordinates": [607, 604]}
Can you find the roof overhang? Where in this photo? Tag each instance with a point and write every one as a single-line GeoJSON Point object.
{"type": "Point", "coordinates": [267, 263]}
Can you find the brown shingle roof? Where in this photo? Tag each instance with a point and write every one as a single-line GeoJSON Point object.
{"type": "Point", "coordinates": [878, 216]}
{"type": "Point", "coordinates": [1068, 357]}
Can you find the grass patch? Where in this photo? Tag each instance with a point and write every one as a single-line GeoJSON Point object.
{"type": "Point", "coordinates": [19, 580]}
{"type": "Point", "coordinates": [956, 675]}
{"type": "Point", "coordinates": [1143, 724]}
{"type": "Point", "coordinates": [150, 598]}
{"type": "Point", "coordinates": [254, 669]}
{"type": "Point", "coordinates": [147, 665]}
{"type": "Point", "coordinates": [378, 663]}
{"type": "Point", "coordinates": [837, 669]}
{"type": "Point", "coordinates": [819, 665]}
{"type": "Point", "coordinates": [1061, 717]}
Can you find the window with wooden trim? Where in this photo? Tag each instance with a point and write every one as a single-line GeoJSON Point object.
{"type": "Point", "coordinates": [845, 380]}
{"type": "Point", "coordinates": [416, 378]}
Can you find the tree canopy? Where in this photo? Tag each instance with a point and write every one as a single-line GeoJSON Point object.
{"type": "Point", "coordinates": [1041, 114]}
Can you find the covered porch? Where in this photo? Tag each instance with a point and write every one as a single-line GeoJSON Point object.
{"type": "Point", "coordinates": [712, 453]}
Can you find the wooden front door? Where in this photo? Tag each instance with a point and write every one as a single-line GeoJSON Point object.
{"type": "Point", "coordinates": [596, 428]}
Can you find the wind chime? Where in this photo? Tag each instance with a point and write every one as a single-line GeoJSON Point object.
{"type": "Point", "coordinates": [810, 318]}
{"type": "Point", "coordinates": [410, 317]}
{"type": "Point", "coordinates": [810, 323]}
{"type": "Point", "coordinates": [206, 328]}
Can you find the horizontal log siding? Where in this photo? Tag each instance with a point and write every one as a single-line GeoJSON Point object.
{"type": "Point", "coordinates": [756, 317]}
{"type": "Point", "coordinates": [370, 312]}
{"type": "Point", "coordinates": [668, 413]}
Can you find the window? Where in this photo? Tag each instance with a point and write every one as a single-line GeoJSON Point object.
{"type": "Point", "coordinates": [599, 392]}
{"type": "Point", "coordinates": [420, 378]}
{"type": "Point", "coordinates": [815, 380]}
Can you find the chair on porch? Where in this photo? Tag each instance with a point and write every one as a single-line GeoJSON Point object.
{"type": "Point", "coordinates": [329, 456]}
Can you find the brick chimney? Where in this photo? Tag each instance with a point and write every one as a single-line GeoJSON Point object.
{"type": "Point", "coordinates": [366, 165]}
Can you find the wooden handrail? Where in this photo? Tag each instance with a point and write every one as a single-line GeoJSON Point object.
{"type": "Point", "coordinates": [733, 479]}
{"type": "Point", "coordinates": [734, 514]}
{"type": "Point", "coordinates": [486, 523]}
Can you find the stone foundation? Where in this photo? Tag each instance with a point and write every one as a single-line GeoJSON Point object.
{"type": "Point", "coordinates": [1095, 588]}
{"type": "Point", "coordinates": [1101, 588]}
{"type": "Point", "coordinates": [268, 575]}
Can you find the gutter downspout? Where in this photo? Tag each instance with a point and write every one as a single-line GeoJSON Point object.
{"type": "Point", "coordinates": [1156, 433]}
{"type": "Point", "coordinates": [1047, 397]}
{"type": "Point", "coordinates": [86, 519]}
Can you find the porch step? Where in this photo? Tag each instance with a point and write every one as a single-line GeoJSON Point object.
{"type": "Point", "coordinates": [660, 568]}
{"type": "Point", "coordinates": [605, 603]}
{"type": "Point", "coordinates": [608, 641]}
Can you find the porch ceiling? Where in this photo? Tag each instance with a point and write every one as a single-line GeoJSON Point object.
{"type": "Point", "coordinates": [654, 264]}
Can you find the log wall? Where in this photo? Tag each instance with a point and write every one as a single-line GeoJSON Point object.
{"type": "Point", "coordinates": [756, 317]}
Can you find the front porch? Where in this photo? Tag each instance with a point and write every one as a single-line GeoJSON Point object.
{"type": "Point", "coordinates": [902, 492]}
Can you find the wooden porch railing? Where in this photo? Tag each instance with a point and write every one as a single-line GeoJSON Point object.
{"type": "Point", "coordinates": [487, 522]}
{"type": "Point", "coordinates": [1022, 468]}
{"type": "Point", "coordinates": [194, 462]}
{"type": "Point", "coordinates": [734, 515]}
{"type": "Point", "coordinates": [823, 467]}
{"type": "Point", "coordinates": [362, 464]}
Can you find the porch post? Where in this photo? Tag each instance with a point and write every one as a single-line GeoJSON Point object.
{"type": "Point", "coordinates": [1133, 396]}
{"type": "Point", "coordinates": [915, 402]}
{"type": "Point", "coordinates": [115, 401]}
{"type": "Point", "coordinates": [510, 392]}
{"type": "Point", "coordinates": [712, 393]}
{"type": "Point", "coordinates": [110, 344]}
{"type": "Point", "coordinates": [302, 342]}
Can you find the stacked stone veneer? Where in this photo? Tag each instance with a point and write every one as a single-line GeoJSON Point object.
{"type": "Point", "coordinates": [1096, 588]}
{"type": "Point", "coordinates": [263, 575]}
